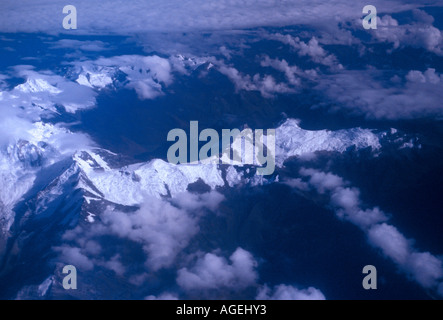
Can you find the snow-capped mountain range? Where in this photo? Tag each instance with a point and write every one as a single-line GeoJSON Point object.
{"type": "Point", "coordinates": [39, 146]}
{"type": "Point", "coordinates": [49, 173]}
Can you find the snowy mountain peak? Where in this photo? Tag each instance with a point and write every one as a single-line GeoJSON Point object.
{"type": "Point", "coordinates": [131, 184]}
{"type": "Point", "coordinates": [292, 140]}
{"type": "Point", "coordinates": [97, 77]}
{"type": "Point", "coordinates": [37, 85]}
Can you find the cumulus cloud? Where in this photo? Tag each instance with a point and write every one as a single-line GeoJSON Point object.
{"type": "Point", "coordinates": [266, 84]}
{"type": "Point", "coordinates": [429, 77]}
{"type": "Point", "coordinates": [311, 49]}
{"type": "Point", "coordinates": [162, 229]}
{"type": "Point", "coordinates": [75, 257]}
{"type": "Point", "coordinates": [191, 201]}
{"type": "Point", "coordinates": [322, 181]}
{"type": "Point", "coordinates": [420, 34]}
{"type": "Point", "coordinates": [423, 267]}
{"type": "Point", "coordinates": [114, 264]}
{"type": "Point", "coordinates": [286, 292]}
{"type": "Point", "coordinates": [215, 272]}
{"type": "Point", "coordinates": [294, 75]}
{"type": "Point", "coordinates": [283, 66]}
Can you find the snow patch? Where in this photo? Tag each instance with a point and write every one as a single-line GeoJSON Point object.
{"type": "Point", "coordinates": [292, 140]}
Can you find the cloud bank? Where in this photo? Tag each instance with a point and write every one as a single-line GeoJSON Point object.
{"type": "Point", "coordinates": [163, 229]}
{"type": "Point", "coordinates": [416, 95]}
{"type": "Point", "coordinates": [423, 267]}
{"type": "Point", "coordinates": [123, 17]}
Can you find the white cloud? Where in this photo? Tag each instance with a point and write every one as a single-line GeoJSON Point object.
{"type": "Point", "coordinates": [417, 95]}
{"type": "Point", "coordinates": [266, 84]}
{"type": "Point", "coordinates": [12, 127]}
{"type": "Point", "coordinates": [429, 76]}
{"type": "Point", "coordinates": [311, 49]}
{"type": "Point", "coordinates": [425, 268]}
{"type": "Point", "coordinates": [290, 72]}
{"type": "Point", "coordinates": [162, 227]}
{"type": "Point", "coordinates": [285, 292]}
{"type": "Point", "coordinates": [362, 218]}
{"type": "Point", "coordinates": [322, 181]}
{"type": "Point", "coordinates": [114, 264]}
{"type": "Point", "coordinates": [297, 183]}
{"type": "Point", "coordinates": [390, 241]}
{"type": "Point", "coordinates": [191, 201]}
{"type": "Point", "coordinates": [163, 296]}
{"type": "Point", "coordinates": [420, 34]}
{"type": "Point", "coordinates": [346, 198]}
{"type": "Point", "coordinates": [75, 257]}
{"type": "Point", "coordinates": [214, 272]}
